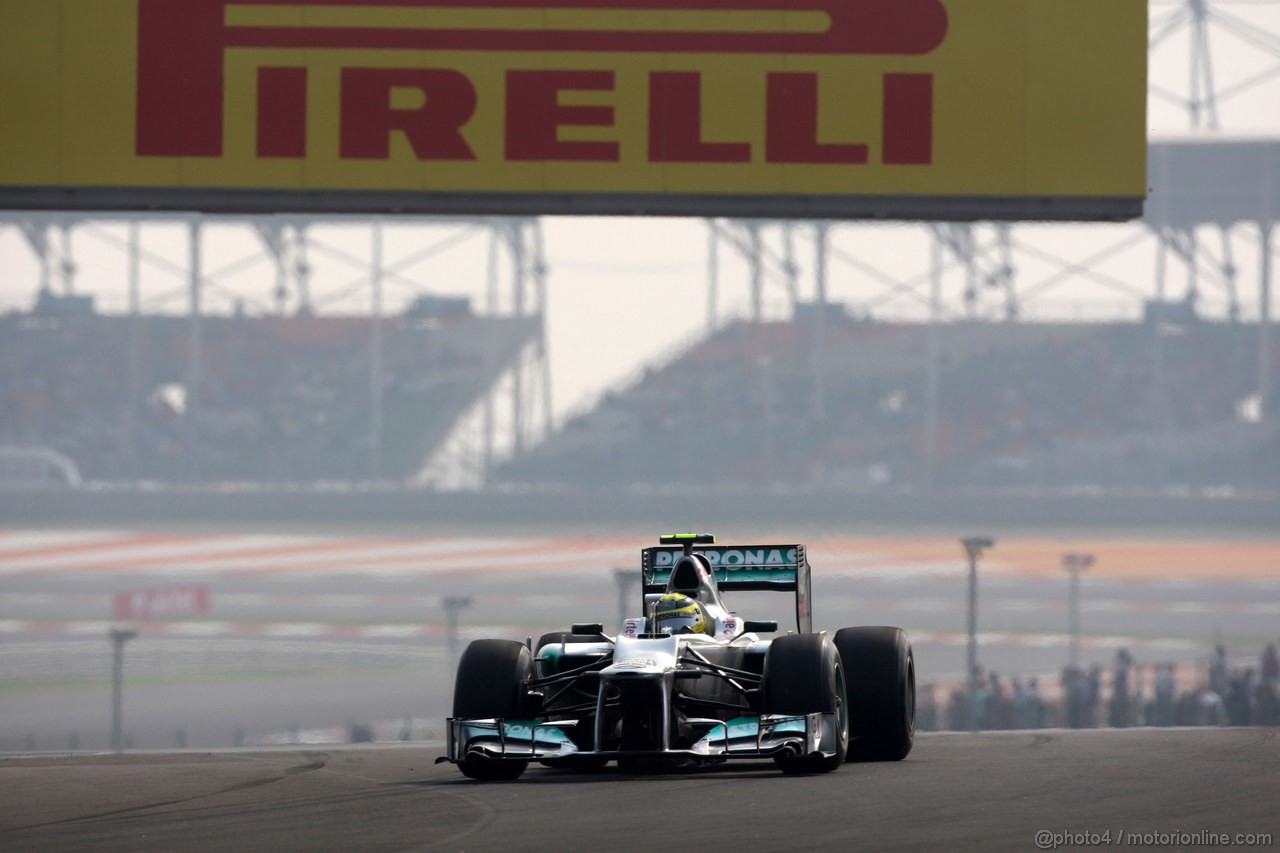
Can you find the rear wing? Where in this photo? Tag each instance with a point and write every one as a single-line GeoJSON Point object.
{"type": "Point", "coordinates": [772, 568]}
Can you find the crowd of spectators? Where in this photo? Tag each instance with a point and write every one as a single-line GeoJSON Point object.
{"type": "Point", "coordinates": [1018, 404]}
{"type": "Point", "coordinates": [277, 399]}
{"type": "Point", "coordinates": [1128, 695]}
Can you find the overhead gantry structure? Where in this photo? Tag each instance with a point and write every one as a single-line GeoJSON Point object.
{"type": "Point", "coordinates": [513, 414]}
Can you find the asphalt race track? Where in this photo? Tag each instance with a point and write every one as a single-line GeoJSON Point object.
{"type": "Point", "coordinates": [963, 791]}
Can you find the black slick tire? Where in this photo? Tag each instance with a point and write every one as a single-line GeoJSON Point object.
{"type": "Point", "coordinates": [880, 669]}
{"type": "Point", "coordinates": [491, 683]}
{"type": "Point", "coordinates": [803, 674]}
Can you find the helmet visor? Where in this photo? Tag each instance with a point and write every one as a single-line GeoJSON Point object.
{"type": "Point", "coordinates": [680, 622]}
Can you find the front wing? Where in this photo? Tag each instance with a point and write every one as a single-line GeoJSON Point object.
{"type": "Point", "coordinates": [747, 737]}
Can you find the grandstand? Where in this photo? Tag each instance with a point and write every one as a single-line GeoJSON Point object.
{"type": "Point", "coordinates": [1018, 404]}
{"type": "Point", "coordinates": [279, 399]}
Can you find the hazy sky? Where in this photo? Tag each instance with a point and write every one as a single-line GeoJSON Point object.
{"type": "Point", "coordinates": [624, 292]}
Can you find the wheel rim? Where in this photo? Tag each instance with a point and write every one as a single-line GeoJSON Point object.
{"type": "Point", "coordinates": [911, 694]}
{"type": "Point", "coordinates": [842, 704]}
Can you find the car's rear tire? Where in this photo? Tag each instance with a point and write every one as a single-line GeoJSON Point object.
{"type": "Point", "coordinates": [880, 669]}
{"type": "Point", "coordinates": [803, 674]}
{"type": "Point", "coordinates": [492, 683]}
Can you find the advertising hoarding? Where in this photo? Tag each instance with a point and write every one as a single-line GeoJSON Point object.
{"type": "Point", "coordinates": [938, 109]}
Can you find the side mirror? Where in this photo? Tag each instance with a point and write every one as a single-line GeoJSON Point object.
{"type": "Point", "coordinates": [759, 626]}
{"type": "Point", "coordinates": [587, 628]}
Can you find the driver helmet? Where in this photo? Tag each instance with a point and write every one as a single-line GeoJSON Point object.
{"type": "Point", "coordinates": [677, 613]}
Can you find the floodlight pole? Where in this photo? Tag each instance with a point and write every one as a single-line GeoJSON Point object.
{"type": "Point", "coordinates": [1074, 564]}
{"type": "Point", "coordinates": [119, 636]}
{"type": "Point", "coordinates": [973, 548]}
{"type": "Point", "coordinates": [192, 402]}
{"type": "Point", "coordinates": [452, 605]}
{"type": "Point", "coordinates": [377, 275]}
{"type": "Point", "coordinates": [1265, 367]}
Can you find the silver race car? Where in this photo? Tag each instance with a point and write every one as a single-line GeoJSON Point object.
{"type": "Point", "coordinates": [689, 682]}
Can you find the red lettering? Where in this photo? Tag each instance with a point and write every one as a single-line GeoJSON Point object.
{"type": "Point", "coordinates": [179, 79]}
{"type": "Point", "coordinates": [791, 124]}
{"type": "Point", "coordinates": [908, 119]}
{"type": "Point", "coordinates": [675, 123]}
{"type": "Point", "coordinates": [433, 130]}
{"type": "Point", "coordinates": [282, 112]}
{"type": "Point", "coordinates": [535, 116]}
{"type": "Point", "coordinates": [182, 45]}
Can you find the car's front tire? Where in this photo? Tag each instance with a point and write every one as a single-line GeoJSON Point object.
{"type": "Point", "coordinates": [492, 684]}
{"type": "Point", "coordinates": [803, 674]}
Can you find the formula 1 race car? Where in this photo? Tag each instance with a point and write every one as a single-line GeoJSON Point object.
{"type": "Point", "coordinates": [690, 683]}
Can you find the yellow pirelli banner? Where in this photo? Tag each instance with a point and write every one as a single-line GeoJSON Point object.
{"type": "Point", "coordinates": [938, 109]}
